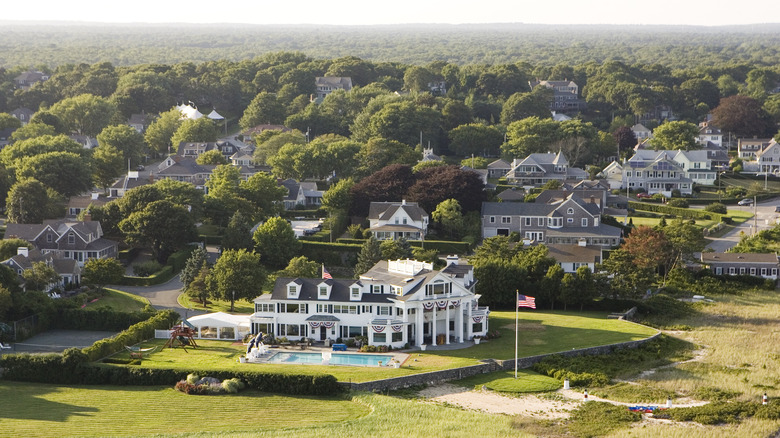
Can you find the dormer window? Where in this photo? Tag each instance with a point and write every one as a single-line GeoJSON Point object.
{"type": "Point", "coordinates": [292, 291]}
{"type": "Point", "coordinates": [354, 292]}
{"type": "Point", "coordinates": [71, 238]}
{"type": "Point", "coordinates": [323, 292]}
{"type": "Point", "coordinates": [570, 211]}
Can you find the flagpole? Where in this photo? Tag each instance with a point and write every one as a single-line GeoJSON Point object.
{"type": "Point", "coordinates": [517, 318]}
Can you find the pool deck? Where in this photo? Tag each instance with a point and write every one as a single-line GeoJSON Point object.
{"type": "Point", "coordinates": [399, 356]}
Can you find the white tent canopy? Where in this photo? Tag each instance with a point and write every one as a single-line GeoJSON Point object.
{"type": "Point", "coordinates": [214, 115]}
{"type": "Point", "coordinates": [189, 112]}
{"type": "Point", "coordinates": [221, 325]}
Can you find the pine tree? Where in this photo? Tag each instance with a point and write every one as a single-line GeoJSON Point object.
{"type": "Point", "coordinates": [192, 266]}
{"type": "Point", "coordinates": [369, 255]}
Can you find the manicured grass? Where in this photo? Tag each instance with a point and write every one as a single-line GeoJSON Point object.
{"type": "Point", "coordinates": [240, 306]}
{"type": "Point", "coordinates": [28, 410]}
{"type": "Point", "coordinates": [540, 332]}
{"type": "Point", "coordinates": [654, 221]}
{"type": "Point", "coordinates": [504, 381]}
{"type": "Point", "coordinates": [118, 300]}
{"type": "Point", "coordinates": [550, 332]}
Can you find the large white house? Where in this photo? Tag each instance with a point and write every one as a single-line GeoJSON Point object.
{"type": "Point", "coordinates": [397, 302]}
{"type": "Point", "coordinates": [393, 220]}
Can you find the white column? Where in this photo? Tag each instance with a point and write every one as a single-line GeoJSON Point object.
{"type": "Point", "coordinates": [447, 323]}
{"type": "Point", "coordinates": [418, 331]}
{"type": "Point", "coordinates": [469, 325]}
{"type": "Point", "coordinates": [433, 325]}
{"type": "Point", "coordinates": [459, 321]}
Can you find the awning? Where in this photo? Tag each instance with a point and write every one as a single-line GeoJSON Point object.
{"type": "Point", "coordinates": [325, 318]}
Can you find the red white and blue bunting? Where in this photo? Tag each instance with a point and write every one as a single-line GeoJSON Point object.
{"type": "Point", "coordinates": [378, 328]}
{"type": "Point", "coordinates": [477, 319]}
{"type": "Point", "coordinates": [455, 303]}
{"type": "Point", "coordinates": [441, 304]}
{"type": "Point", "coordinates": [328, 324]}
{"type": "Point", "coordinates": [427, 305]}
{"type": "Point", "coordinates": [397, 328]}
{"type": "Point", "coordinates": [314, 324]}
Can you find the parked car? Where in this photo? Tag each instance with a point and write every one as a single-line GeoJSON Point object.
{"type": "Point", "coordinates": [746, 201]}
{"type": "Point", "coordinates": [644, 195]}
{"type": "Point", "coordinates": [777, 209]}
{"type": "Point", "coordinates": [140, 167]}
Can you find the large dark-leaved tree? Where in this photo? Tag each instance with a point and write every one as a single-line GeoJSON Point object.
{"type": "Point", "coordinates": [744, 117]}
{"type": "Point", "coordinates": [387, 184]}
{"type": "Point", "coordinates": [435, 184]}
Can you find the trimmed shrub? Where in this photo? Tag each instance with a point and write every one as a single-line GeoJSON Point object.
{"type": "Point", "coordinates": [134, 334]}
{"type": "Point", "coordinates": [716, 207]}
{"type": "Point", "coordinates": [146, 268]}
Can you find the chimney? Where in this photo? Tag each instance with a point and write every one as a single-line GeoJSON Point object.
{"type": "Point", "coordinates": [23, 250]}
{"type": "Point", "coordinates": [582, 242]}
{"type": "Point", "coordinates": [452, 260]}
{"type": "Point", "coordinates": [95, 195]}
{"type": "Point", "coordinates": [403, 201]}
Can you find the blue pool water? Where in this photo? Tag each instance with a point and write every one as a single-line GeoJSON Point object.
{"type": "Point", "coordinates": [363, 360]}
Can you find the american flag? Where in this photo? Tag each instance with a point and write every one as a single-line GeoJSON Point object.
{"type": "Point", "coordinates": [326, 274]}
{"type": "Point", "coordinates": [526, 301]}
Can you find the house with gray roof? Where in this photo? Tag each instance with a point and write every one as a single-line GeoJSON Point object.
{"type": "Point", "coordinates": [538, 169]}
{"type": "Point", "coordinates": [69, 239]}
{"type": "Point", "coordinates": [753, 264]}
{"type": "Point", "coordinates": [395, 303]}
{"type": "Point", "coordinates": [664, 171]}
{"type": "Point", "coordinates": [498, 168]}
{"type": "Point", "coordinates": [393, 220]}
{"type": "Point", "coordinates": [565, 95]}
{"type": "Point", "coordinates": [303, 193]}
{"type": "Point", "coordinates": [68, 270]}
{"type": "Point", "coordinates": [566, 221]}
{"type": "Point", "coordinates": [573, 257]}
{"type": "Point", "coordinates": [328, 84]}
{"type": "Point", "coordinates": [29, 78]}
{"type": "Point", "coordinates": [23, 115]}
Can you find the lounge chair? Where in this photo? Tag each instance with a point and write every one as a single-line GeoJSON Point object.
{"type": "Point", "coordinates": [4, 347]}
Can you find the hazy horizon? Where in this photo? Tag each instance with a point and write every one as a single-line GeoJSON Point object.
{"type": "Point", "coordinates": [402, 12]}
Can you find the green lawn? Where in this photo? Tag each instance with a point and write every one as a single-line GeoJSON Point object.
{"type": "Point", "coordinates": [31, 410]}
{"type": "Point", "coordinates": [540, 332]}
{"type": "Point", "coordinates": [240, 306]}
{"type": "Point", "coordinates": [504, 381]}
{"type": "Point", "coordinates": [120, 301]}
{"type": "Point", "coordinates": [28, 409]}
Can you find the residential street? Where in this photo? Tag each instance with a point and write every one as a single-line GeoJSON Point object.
{"type": "Point", "coordinates": [765, 219]}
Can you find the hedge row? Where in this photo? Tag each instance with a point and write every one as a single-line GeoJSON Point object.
{"type": "Point", "coordinates": [309, 245]}
{"type": "Point", "coordinates": [680, 212]}
{"type": "Point", "coordinates": [441, 246]}
{"type": "Point", "coordinates": [102, 318]}
{"type": "Point", "coordinates": [134, 334]}
{"type": "Point", "coordinates": [72, 368]}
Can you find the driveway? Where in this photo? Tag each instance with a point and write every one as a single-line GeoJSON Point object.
{"type": "Point", "coordinates": [164, 296]}
{"type": "Point", "coordinates": [765, 218]}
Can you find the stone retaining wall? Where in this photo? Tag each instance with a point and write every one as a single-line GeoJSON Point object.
{"type": "Point", "coordinates": [489, 366]}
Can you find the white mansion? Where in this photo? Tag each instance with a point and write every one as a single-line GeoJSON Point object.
{"type": "Point", "coordinates": [397, 302]}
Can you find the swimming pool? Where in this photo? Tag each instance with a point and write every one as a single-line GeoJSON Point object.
{"type": "Point", "coordinates": [361, 360]}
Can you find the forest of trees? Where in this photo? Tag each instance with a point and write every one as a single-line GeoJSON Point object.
{"type": "Point", "coordinates": [123, 45]}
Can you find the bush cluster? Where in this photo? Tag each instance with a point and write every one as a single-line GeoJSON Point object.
{"type": "Point", "coordinates": [73, 368]}
{"type": "Point", "coordinates": [147, 268]}
{"type": "Point", "coordinates": [723, 412]}
{"type": "Point", "coordinates": [376, 348]}
{"type": "Point", "coordinates": [598, 370]}
{"type": "Point", "coordinates": [209, 386]}
{"type": "Point", "coordinates": [679, 212]}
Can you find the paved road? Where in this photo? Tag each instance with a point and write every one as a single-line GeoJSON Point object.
{"type": "Point", "coordinates": [765, 218]}
{"type": "Point", "coordinates": [164, 296]}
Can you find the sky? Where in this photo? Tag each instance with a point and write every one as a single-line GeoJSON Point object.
{"type": "Point", "coordinates": [368, 12]}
